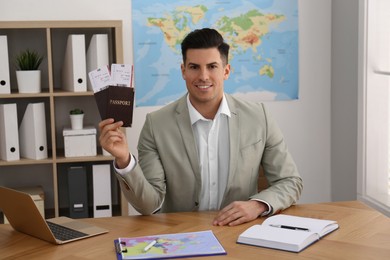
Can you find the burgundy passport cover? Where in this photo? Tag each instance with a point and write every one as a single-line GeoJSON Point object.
{"type": "Point", "coordinates": [116, 102]}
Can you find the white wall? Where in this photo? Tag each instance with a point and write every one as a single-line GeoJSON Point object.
{"type": "Point", "coordinates": [306, 122]}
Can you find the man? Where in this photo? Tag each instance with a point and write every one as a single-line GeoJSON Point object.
{"type": "Point", "coordinates": [204, 151]}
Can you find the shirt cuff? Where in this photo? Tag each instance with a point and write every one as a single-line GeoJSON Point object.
{"type": "Point", "coordinates": [269, 209]}
{"type": "Point", "coordinates": [128, 168]}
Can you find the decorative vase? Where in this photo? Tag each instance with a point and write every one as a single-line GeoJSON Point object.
{"type": "Point", "coordinates": [76, 121]}
{"type": "Point", "coordinates": [29, 81]}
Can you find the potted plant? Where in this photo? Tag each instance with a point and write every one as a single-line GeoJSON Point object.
{"type": "Point", "coordinates": [28, 74]}
{"type": "Point", "coordinates": [76, 118]}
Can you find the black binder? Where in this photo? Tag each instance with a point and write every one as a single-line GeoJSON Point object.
{"type": "Point", "coordinates": [78, 192]}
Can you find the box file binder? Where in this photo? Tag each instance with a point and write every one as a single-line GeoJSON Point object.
{"type": "Point", "coordinates": [78, 192]}
{"type": "Point", "coordinates": [97, 54]}
{"type": "Point", "coordinates": [32, 132]}
{"type": "Point", "coordinates": [5, 86]}
{"type": "Point", "coordinates": [74, 70]}
{"type": "Point", "coordinates": [101, 179]}
{"type": "Point", "coordinates": [9, 139]}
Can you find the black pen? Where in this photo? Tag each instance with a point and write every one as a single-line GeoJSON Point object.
{"type": "Point", "coordinates": [290, 227]}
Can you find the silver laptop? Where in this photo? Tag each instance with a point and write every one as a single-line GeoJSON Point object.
{"type": "Point", "coordinates": [24, 216]}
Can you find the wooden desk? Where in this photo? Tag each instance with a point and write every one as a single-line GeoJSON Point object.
{"type": "Point", "coordinates": [363, 234]}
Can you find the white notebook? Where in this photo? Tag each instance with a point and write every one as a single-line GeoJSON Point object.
{"type": "Point", "coordinates": [287, 232]}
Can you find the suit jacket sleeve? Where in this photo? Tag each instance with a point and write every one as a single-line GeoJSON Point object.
{"type": "Point", "coordinates": [285, 183]}
{"type": "Point", "coordinates": [144, 188]}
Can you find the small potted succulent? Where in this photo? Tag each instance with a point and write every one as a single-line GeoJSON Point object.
{"type": "Point", "coordinates": [28, 74]}
{"type": "Point", "coordinates": [76, 118]}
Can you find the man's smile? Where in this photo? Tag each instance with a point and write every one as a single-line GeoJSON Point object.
{"type": "Point", "coordinates": [203, 86]}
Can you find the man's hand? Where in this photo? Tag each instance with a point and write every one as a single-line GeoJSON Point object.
{"type": "Point", "coordinates": [114, 141]}
{"type": "Point", "coordinates": [239, 212]}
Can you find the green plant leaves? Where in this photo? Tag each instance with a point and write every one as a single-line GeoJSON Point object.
{"type": "Point", "coordinates": [28, 60]}
{"type": "Point", "coordinates": [76, 111]}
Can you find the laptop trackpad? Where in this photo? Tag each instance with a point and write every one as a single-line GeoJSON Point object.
{"type": "Point", "coordinates": [78, 225]}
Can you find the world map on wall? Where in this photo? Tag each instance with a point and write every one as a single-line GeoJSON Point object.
{"type": "Point", "coordinates": [263, 39]}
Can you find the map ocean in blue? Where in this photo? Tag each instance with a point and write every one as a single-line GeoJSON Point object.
{"type": "Point", "coordinates": [163, 77]}
{"type": "Point", "coordinates": [158, 79]}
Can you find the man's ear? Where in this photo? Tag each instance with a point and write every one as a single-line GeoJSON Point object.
{"type": "Point", "coordinates": [226, 72]}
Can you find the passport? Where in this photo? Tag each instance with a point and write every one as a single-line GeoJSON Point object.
{"type": "Point", "coordinates": [116, 102]}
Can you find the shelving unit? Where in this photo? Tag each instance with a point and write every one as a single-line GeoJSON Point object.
{"type": "Point", "coordinates": [49, 38]}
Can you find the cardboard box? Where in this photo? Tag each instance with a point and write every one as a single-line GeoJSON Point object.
{"type": "Point", "coordinates": [80, 142]}
{"type": "Point", "coordinates": [37, 195]}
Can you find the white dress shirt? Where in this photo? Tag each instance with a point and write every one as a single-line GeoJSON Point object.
{"type": "Point", "coordinates": [212, 139]}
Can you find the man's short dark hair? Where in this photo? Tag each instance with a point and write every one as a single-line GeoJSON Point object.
{"type": "Point", "coordinates": [203, 39]}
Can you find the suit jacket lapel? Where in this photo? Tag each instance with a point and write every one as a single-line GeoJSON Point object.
{"type": "Point", "coordinates": [185, 128]}
{"type": "Point", "coordinates": [234, 135]}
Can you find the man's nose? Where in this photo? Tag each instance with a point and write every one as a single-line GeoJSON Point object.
{"type": "Point", "coordinates": [203, 74]}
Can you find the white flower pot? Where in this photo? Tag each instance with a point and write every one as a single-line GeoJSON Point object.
{"type": "Point", "coordinates": [29, 81]}
{"type": "Point", "coordinates": [76, 121]}
{"type": "Point", "coordinates": [105, 153]}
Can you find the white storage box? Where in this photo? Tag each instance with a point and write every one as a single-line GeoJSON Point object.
{"type": "Point", "coordinates": [80, 142]}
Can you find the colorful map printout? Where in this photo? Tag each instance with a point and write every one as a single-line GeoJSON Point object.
{"type": "Point", "coordinates": [263, 39]}
{"type": "Point", "coordinates": [170, 245]}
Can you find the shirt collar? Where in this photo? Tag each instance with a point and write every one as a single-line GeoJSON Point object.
{"type": "Point", "coordinates": [195, 115]}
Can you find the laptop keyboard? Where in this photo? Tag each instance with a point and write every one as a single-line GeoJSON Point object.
{"type": "Point", "coordinates": [63, 233]}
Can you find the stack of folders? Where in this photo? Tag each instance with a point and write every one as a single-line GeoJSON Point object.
{"type": "Point", "coordinates": [27, 141]}
{"type": "Point", "coordinates": [79, 196]}
{"type": "Point", "coordinates": [192, 244]}
{"type": "Point", "coordinates": [289, 233]}
{"type": "Point", "coordinates": [77, 60]}
{"type": "Point", "coordinates": [114, 93]}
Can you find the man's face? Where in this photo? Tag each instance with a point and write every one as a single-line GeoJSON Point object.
{"type": "Point", "coordinates": [204, 73]}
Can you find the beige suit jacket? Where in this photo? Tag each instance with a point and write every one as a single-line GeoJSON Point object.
{"type": "Point", "coordinates": [168, 172]}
